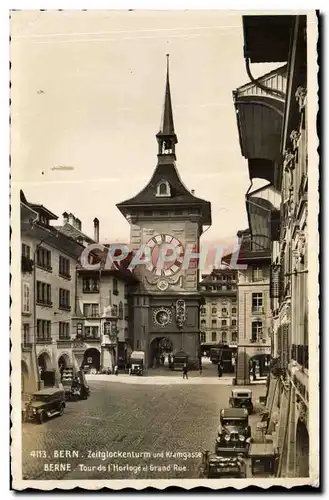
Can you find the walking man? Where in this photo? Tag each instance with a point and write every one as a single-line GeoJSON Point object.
{"type": "Point", "coordinates": [185, 371]}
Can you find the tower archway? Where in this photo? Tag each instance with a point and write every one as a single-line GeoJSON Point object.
{"type": "Point", "coordinates": [159, 347]}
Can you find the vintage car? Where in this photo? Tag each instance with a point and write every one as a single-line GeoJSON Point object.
{"type": "Point", "coordinates": [234, 432]}
{"type": "Point", "coordinates": [137, 361]}
{"type": "Point", "coordinates": [75, 384]}
{"type": "Point", "coordinates": [44, 404]}
{"type": "Point", "coordinates": [241, 398]}
{"type": "Point", "coordinates": [178, 360]}
{"type": "Point", "coordinates": [217, 467]}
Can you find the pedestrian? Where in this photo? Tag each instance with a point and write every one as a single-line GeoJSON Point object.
{"type": "Point", "coordinates": [220, 369]}
{"type": "Point", "coordinates": [116, 371]}
{"type": "Point", "coordinates": [185, 371]}
{"type": "Point", "coordinates": [200, 367]}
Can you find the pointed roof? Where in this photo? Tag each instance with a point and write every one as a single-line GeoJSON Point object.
{"type": "Point", "coordinates": [167, 128]}
{"type": "Point", "coordinates": [179, 194]}
{"type": "Point", "coordinates": [166, 171]}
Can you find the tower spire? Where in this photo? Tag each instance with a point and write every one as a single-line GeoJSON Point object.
{"type": "Point", "coordinates": [166, 137]}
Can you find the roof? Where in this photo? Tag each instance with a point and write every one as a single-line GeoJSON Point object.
{"type": "Point", "coordinates": [234, 412]}
{"type": "Point", "coordinates": [179, 194]}
{"type": "Point", "coordinates": [37, 208]}
{"type": "Point", "coordinates": [267, 38]}
{"type": "Point", "coordinates": [49, 391]}
{"type": "Point", "coordinates": [238, 391]}
{"type": "Point", "coordinates": [167, 128]}
{"type": "Point", "coordinates": [73, 232]}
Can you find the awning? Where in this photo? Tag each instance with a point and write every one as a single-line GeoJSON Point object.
{"type": "Point", "coordinates": [261, 204]}
{"type": "Point", "coordinates": [267, 38]}
{"type": "Point", "coordinates": [259, 120]}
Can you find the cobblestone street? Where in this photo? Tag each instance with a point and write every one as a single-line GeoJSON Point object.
{"type": "Point", "coordinates": [129, 418]}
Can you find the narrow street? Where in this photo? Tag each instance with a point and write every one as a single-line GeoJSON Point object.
{"type": "Point", "coordinates": [152, 420]}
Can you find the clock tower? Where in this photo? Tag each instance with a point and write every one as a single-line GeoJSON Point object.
{"type": "Point", "coordinates": [167, 221]}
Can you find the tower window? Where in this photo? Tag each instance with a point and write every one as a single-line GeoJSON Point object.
{"type": "Point", "coordinates": [163, 189]}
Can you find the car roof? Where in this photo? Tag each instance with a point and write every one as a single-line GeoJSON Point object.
{"type": "Point", "coordinates": [234, 412]}
{"type": "Point", "coordinates": [48, 391]}
{"type": "Point", "coordinates": [238, 391]}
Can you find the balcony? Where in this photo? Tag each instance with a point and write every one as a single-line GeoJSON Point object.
{"type": "Point", "coordinates": [44, 303]}
{"type": "Point", "coordinates": [27, 265]}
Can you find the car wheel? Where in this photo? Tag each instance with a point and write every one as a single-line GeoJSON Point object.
{"type": "Point", "coordinates": [42, 417]}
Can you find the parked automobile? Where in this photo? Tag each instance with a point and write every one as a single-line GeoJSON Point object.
{"type": "Point", "coordinates": [178, 360]}
{"type": "Point", "coordinates": [44, 404]}
{"type": "Point", "coordinates": [241, 398]}
{"type": "Point", "coordinates": [137, 361]}
{"type": "Point", "coordinates": [219, 467]}
{"type": "Point", "coordinates": [234, 432]}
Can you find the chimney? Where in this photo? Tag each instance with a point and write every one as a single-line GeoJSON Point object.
{"type": "Point", "coordinates": [96, 230]}
{"type": "Point", "coordinates": [71, 219]}
{"type": "Point", "coordinates": [65, 216]}
{"type": "Point", "coordinates": [192, 191]}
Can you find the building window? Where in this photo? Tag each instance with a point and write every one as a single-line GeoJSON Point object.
{"type": "Point", "coordinates": [224, 311]}
{"type": "Point", "coordinates": [234, 300]}
{"type": "Point", "coordinates": [64, 267]}
{"type": "Point", "coordinates": [26, 251]}
{"type": "Point", "coordinates": [202, 338]}
{"type": "Point", "coordinates": [43, 330]}
{"type": "Point", "coordinates": [115, 287]}
{"type": "Point", "coordinates": [224, 337]}
{"type": "Point", "coordinates": [26, 334]}
{"type": "Point", "coordinates": [137, 344]}
{"type": "Point", "coordinates": [203, 322]}
{"type": "Point", "coordinates": [257, 302]}
{"type": "Point", "coordinates": [256, 331]}
{"type": "Point", "coordinates": [213, 336]}
{"type": "Point", "coordinates": [43, 293]}
{"type": "Point", "coordinates": [203, 311]}
{"type": "Point", "coordinates": [233, 310]}
{"type": "Point", "coordinates": [257, 273]}
{"type": "Point", "coordinates": [90, 285]}
{"type": "Point", "coordinates": [91, 332]}
{"type": "Point", "coordinates": [224, 322]}
{"type": "Point", "coordinates": [64, 330]}
{"type": "Point", "coordinates": [233, 322]}
{"type": "Point", "coordinates": [234, 337]}
{"type": "Point", "coordinates": [213, 323]}
{"type": "Point", "coordinates": [163, 189]}
{"type": "Point", "coordinates": [214, 310]}
{"type": "Point", "coordinates": [120, 310]}
{"type": "Point", "coordinates": [26, 298]}
{"type": "Point", "coordinates": [90, 310]}
{"type": "Point", "coordinates": [44, 258]}
{"type": "Point", "coordinates": [115, 310]}
{"type": "Point", "coordinates": [64, 299]}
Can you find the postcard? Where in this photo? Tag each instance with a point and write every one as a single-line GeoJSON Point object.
{"type": "Point", "coordinates": [164, 250]}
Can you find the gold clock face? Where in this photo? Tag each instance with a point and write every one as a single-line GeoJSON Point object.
{"type": "Point", "coordinates": [165, 245]}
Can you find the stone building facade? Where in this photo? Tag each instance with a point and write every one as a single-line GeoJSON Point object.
{"type": "Point", "coordinates": [219, 312]}
{"type": "Point", "coordinates": [273, 127]}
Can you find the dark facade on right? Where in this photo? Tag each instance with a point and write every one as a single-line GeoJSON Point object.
{"type": "Point", "coordinates": [272, 119]}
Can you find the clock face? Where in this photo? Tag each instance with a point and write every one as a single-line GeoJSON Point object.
{"type": "Point", "coordinates": [165, 245]}
{"type": "Point", "coordinates": [162, 316]}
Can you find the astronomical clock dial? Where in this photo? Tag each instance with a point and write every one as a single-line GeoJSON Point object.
{"type": "Point", "coordinates": [164, 243]}
{"type": "Point", "coordinates": [162, 316]}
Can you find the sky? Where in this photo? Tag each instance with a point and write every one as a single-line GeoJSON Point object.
{"type": "Point", "coordinates": [88, 90]}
